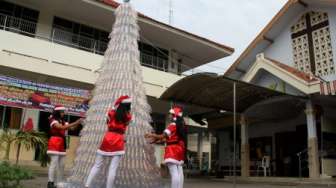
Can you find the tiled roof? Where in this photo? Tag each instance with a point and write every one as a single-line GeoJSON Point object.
{"type": "Point", "coordinates": [302, 75]}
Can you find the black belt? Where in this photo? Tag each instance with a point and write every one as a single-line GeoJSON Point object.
{"type": "Point", "coordinates": [116, 131]}
{"type": "Point", "coordinates": [173, 143]}
{"type": "Point", "coordinates": [61, 136]}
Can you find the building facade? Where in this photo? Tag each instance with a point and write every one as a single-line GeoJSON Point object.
{"type": "Point", "coordinates": [55, 49]}
{"type": "Point", "coordinates": [294, 54]}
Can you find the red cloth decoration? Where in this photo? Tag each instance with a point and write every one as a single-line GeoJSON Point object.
{"type": "Point", "coordinates": [28, 126]}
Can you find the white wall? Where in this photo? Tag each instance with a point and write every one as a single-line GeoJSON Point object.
{"type": "Point", "coordinates": [281, 49]}
{"type": "Point", "coordinates": [43, 57]}
{"type": "Point", "coordinates": [266, 79]}
{"type": "Point", "coordinates": [44, 24]}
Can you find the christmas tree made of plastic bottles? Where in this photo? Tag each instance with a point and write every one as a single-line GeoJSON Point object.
{"type": "Point", "coordinates": [121, 74]}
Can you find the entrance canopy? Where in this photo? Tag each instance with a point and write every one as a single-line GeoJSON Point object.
{"type": "Point", "coordinates": [212, 91]}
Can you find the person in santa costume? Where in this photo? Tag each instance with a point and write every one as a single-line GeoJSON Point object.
{"type": "Point", "coordinates": [56, 143]}
{"type": "Point", "coordinates": [112, 147]}
{"type": "Point", "coordinates": [175, 137]}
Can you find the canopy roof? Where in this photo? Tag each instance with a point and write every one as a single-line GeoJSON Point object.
{"type": "Point", "coordinates": [212, 91]}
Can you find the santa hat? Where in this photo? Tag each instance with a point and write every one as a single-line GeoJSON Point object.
{"type": "Point", "coordinates": [59, 108]}
{"type": "Point", "coordinates": [176, 111]}
{"type": "Point", "coordinates": [122, 100]}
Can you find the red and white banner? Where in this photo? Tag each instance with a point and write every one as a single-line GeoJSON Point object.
{"type": "Point", "coordinates": [328, 88]}
{"type": "Point", "coordinates": [22, 93]}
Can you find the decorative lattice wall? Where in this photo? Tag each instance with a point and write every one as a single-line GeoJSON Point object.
{"type": "Point", "coordinates": [311, 44]}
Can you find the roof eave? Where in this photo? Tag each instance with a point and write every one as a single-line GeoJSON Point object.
{"type": "Point", "coordinates": [226, 49]}
{"type": "Point", "coordinates": [261, 35]}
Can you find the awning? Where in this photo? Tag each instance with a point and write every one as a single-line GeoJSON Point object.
{"type": "Point", "coordinates": [212, 91]}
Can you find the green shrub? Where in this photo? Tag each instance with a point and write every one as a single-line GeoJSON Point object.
{"type": "Point", "coordinates": [11, 175]}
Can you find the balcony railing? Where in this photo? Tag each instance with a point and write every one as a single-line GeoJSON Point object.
{"type": "Point", "coordinates": [154, 62]}
{"type": "Point", "coordinates": [77, 41]}
{"type": "Point", "coordinates": [17, 25]}
{"type": "Point", "coordinates": [28, 28]}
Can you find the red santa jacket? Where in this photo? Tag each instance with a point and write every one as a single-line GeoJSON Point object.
{"type": "Point", "coordinates": [56, 143]}
{"type": "Point", "coordinates": [175, 149]}
{"type": "Point", "coordinates": [113, 142]}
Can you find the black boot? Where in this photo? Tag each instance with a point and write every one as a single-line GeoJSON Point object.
{"type": "Point", "coordinates": [51, 185]}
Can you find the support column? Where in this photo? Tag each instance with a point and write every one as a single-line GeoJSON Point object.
{"type": "Point", "coordinates": [245, 148]}
{"type": "Point", "coordinates": [313, 157]}
{"type": "Point", "coordinates": [210, 151]}
{"type": "Point", "coordinates": [44, 24]}
{"type": "Point", "coordinates": [200, 148]}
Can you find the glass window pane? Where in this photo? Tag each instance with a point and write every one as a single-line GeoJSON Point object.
{"type": "Point", "coordinates": [2, 112]}
{"type": "Point", "coordinates": [76, 130]}
{"type": "Point", "coordinates": [12, 118]}
{"type": "Point", "coordinates": [30, 15]}
{"type": "Point", "coordinates": [158, 122]}
{"type": "Point", "coordinates": [62, 23]}
{"type": "Point", "coordinates": [15, 120]}
{"type": "Point", "coordinates": [7, 117]}
{"type": "Point", "coordinates": [86, 31]}
{"type": "Point", "coordinates": [104, 36]}
{"type": "Point", "coordinates": [43, 124]}
{"type": "Point", "coordinates": [6, 8]}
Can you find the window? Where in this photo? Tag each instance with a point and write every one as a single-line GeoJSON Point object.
{"type": "Point", "coordinates": [2, 115]}
{"type": "Point", "coordinates": [90, 39]}
{"type": "Point", "coordinates": [63, 24]}
{"type": "Point", "coordinates": [153, 57]}
{"type": "Point", "coordinates": [43, 123]}
{"type": "Point", "coordinates": [158, 122]}
{"type": "Point", "coordinates": [311, 44]}
{"type": "Point", "coordinates": [10, 117]}
{"type": "Point", "coordinates": [78, 35]}
{"type": "Point", "coordinates": [76, 131]}
{"type": "Point", "coordinates": [18, 19]}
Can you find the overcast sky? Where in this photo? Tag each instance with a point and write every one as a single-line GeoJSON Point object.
{"type": "Point", "coordinates": [231, 22]}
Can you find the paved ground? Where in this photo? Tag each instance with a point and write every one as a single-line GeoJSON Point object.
{"type": "Point", "coordinates": [216, 184]}
{"type": "Point", "coordinates": [40, 182]}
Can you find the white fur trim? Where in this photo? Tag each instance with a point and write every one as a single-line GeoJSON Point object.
{"type": "Point", "coordinates": [174, 161]}
{"type": "Point", "coordinates": [56, 152]}
{"type": "Point", "coordinates": [129, 100]}
{"type": "Point", "coordinates": [60, 108]}
{"type": "Point", "coordinates": [172, 111]}
{"type": "Point", "coordinates": [53, 123]}
{"type": "Point", "coordinates": [106, 153]}
{"type": "Point", "coordinates": [167, 131]}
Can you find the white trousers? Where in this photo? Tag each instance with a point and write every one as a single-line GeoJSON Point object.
{"type": "Point", "coordinates": [176, 174]}
{"type": "Point", "coordinates": [56, 168]}
{"type": "Point", "coordinates": [98, 166]}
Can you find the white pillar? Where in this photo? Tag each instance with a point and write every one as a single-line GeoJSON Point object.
{"type": "Point", "coordinates": [200, 148]}
{"type": "Point", "coordinates": [245, 148]}
{"type": "Point", "coordinates": [313, 157]}
{"type": "Point", "coordinates": [44, 24]}
{"type": "Point", "coordinates": [210, 150]}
